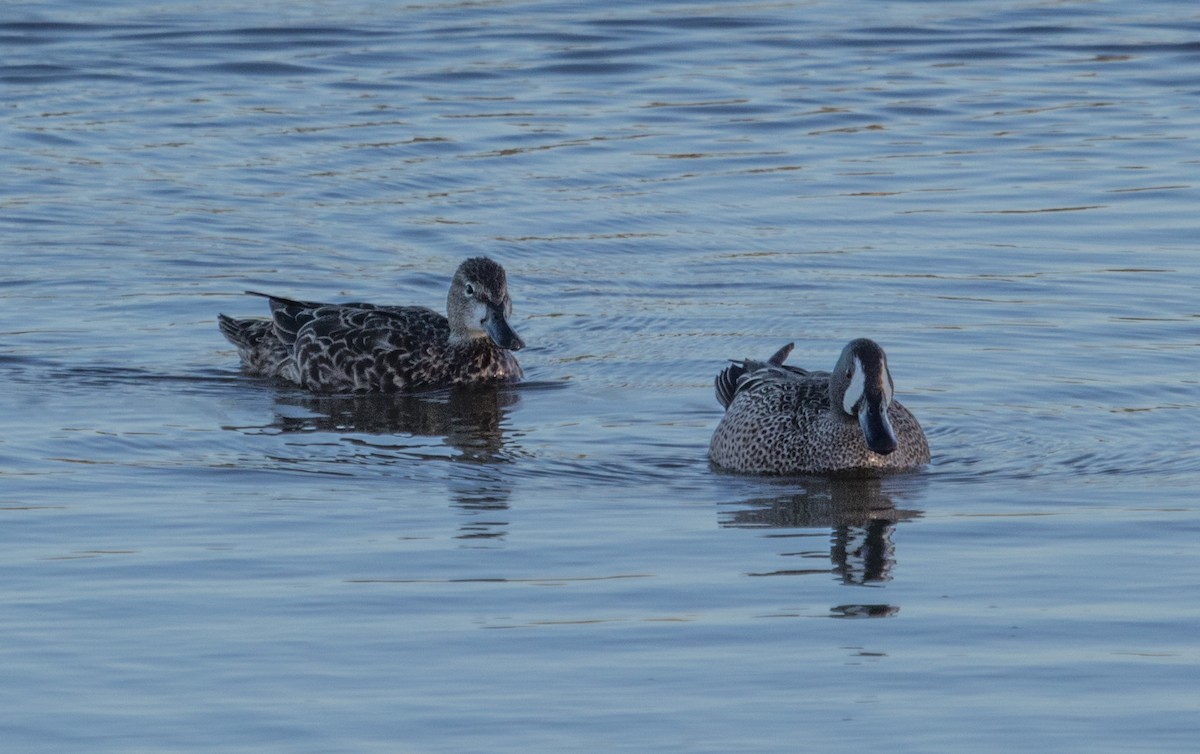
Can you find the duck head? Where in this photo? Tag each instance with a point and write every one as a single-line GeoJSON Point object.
{"type": "Point", "coordinates": [861, 386]}
{"type": "Point", "coordinates": [479, 306]}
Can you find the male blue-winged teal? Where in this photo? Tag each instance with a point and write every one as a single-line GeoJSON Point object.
{"type": "Point", "coordinates": [365, 348]}
{"type": "Point", "coordinates": [786, 420]}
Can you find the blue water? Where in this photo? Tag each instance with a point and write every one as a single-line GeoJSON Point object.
{"type": "Point", "coordinates": [1002, 194]}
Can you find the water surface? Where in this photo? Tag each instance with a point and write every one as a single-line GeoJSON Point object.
{"type": "Point", "coordinates": [1003, 195]}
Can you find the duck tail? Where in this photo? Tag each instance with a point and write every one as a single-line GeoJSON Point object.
{"type": "Point", "coordinates": [243, 333]}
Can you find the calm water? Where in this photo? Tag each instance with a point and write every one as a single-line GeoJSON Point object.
{"type": "Point", "coordinates": [1003, 194]}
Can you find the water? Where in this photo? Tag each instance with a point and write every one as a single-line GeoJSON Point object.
{"type": "Point", "coordinates": [1003, 195]}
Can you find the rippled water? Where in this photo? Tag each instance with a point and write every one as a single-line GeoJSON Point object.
{"type": "Point", "coordinates": [1002, 194]}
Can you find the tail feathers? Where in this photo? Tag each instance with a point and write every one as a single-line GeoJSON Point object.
{"type": "Point", "coordinates": [243, 333]}
{"type": "Point", "coordinates": [732, 378]}
{"type": "Point", "coordinates": [260, 349]}
{"type": "Point", "coordinates": [288, 315]}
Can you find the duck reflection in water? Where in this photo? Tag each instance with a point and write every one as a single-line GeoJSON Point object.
{"type": "Point", "coordinates": [861, 515]}
{"type": "Point", "coordinates": [470, 419]}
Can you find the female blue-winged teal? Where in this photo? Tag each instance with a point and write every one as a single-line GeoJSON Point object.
{"type": "Point", "coordinates": [365, 348]}
{"type": "Point", "coordinates": [786, 420]}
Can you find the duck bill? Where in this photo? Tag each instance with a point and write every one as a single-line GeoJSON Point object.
{"type": "Point", "coordinates": [501, 332]}
{"type": "Point", "coordinates": [876, 427]}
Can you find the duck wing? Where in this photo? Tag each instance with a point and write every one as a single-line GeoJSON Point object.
{"type": "Point", "coordinates": [289, 315]}
{"type": "Point", "coordinates": [352, 349]}
{"type": "Point", "coordinates": [745, 374]}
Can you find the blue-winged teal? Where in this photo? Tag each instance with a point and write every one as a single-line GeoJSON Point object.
{"type": "Point", "coordinates": [365, 348]}
{"type": "Point", "coordinates": [786, 420]}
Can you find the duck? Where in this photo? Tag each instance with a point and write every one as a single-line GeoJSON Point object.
{"type": "Point", "coordinates": [369, 348]}
{"type": "Point", "coordinates": [784, 420]}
